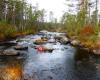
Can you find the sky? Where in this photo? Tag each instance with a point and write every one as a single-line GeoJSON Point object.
{"type": "Point", "coordinates": [56, 6]}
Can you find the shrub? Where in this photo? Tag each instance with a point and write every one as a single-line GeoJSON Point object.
{"type": "Point", "coordinates": [87, 30]}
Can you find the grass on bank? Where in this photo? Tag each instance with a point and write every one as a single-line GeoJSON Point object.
{"type": "Point", "coordinates": [87, 35]}
{"type": "Point", "coordinates": [11, 31]}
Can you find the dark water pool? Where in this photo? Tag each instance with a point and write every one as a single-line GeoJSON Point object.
{"type": "Point", "coordinates": [61, 64]}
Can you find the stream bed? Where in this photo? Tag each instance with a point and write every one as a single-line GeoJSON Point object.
{"type": "Point", "coordinates": [64, 63]}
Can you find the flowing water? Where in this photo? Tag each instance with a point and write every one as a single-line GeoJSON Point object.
{"type": "Point", "coordinates": [62, 64]}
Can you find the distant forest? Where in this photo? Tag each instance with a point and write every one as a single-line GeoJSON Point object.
{"type": "Point", "coordinates": [17, 17]}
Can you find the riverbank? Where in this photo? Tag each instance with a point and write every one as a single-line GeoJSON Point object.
{"type": "Point", "coordinates": [89, 43]}
{"type": "Point", "coordinates": [4, 37]}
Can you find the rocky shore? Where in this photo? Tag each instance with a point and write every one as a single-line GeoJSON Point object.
{"type": "Point", "coordinates": [91, 47]}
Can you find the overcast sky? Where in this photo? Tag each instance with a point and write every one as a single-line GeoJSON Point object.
{"type": "Point", "coordinates": [57, 6]}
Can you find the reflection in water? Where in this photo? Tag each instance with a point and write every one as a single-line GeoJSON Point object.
{"type": "Point", "coordinates": [86, 68]}
{"type": "Point", "coordinates": [10, 69]}
{"type": "Point", "coordinates": [81, 54]}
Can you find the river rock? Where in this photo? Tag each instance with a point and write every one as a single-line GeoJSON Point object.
{"type": "Point", "coordinates": [64, 40]}
{"type": "Point", "coordinates": [75, 42]}
{"type": "Point", "coordinates": [20, 47]}
{"type": "Point", "coordinates": [10, 52]}
{"type": "Point", "coordinates": [97, 52]}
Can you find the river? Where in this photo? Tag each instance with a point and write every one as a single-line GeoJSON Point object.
{"type": "Point", "coordinates": [66, 63]}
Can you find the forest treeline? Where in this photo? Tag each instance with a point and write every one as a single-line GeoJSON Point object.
{"type": "Point", "coordinates": [83, 14]}
{"type": "Point", "coordinates": [18, 17]}
{"type": "Point", "coordinates": [82, 22]}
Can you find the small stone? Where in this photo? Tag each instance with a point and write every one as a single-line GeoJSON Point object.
{"type": "Point", "coordinates": [75, 42]}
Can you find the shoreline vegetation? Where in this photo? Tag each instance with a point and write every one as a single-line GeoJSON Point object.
{"type": "Point", "coordinates": [88, 39]}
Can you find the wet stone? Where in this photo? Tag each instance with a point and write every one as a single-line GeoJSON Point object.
{"type": "Point", "coordinates": [10, 52]}
{"type": "Point", "coordinates": [20, 47]}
